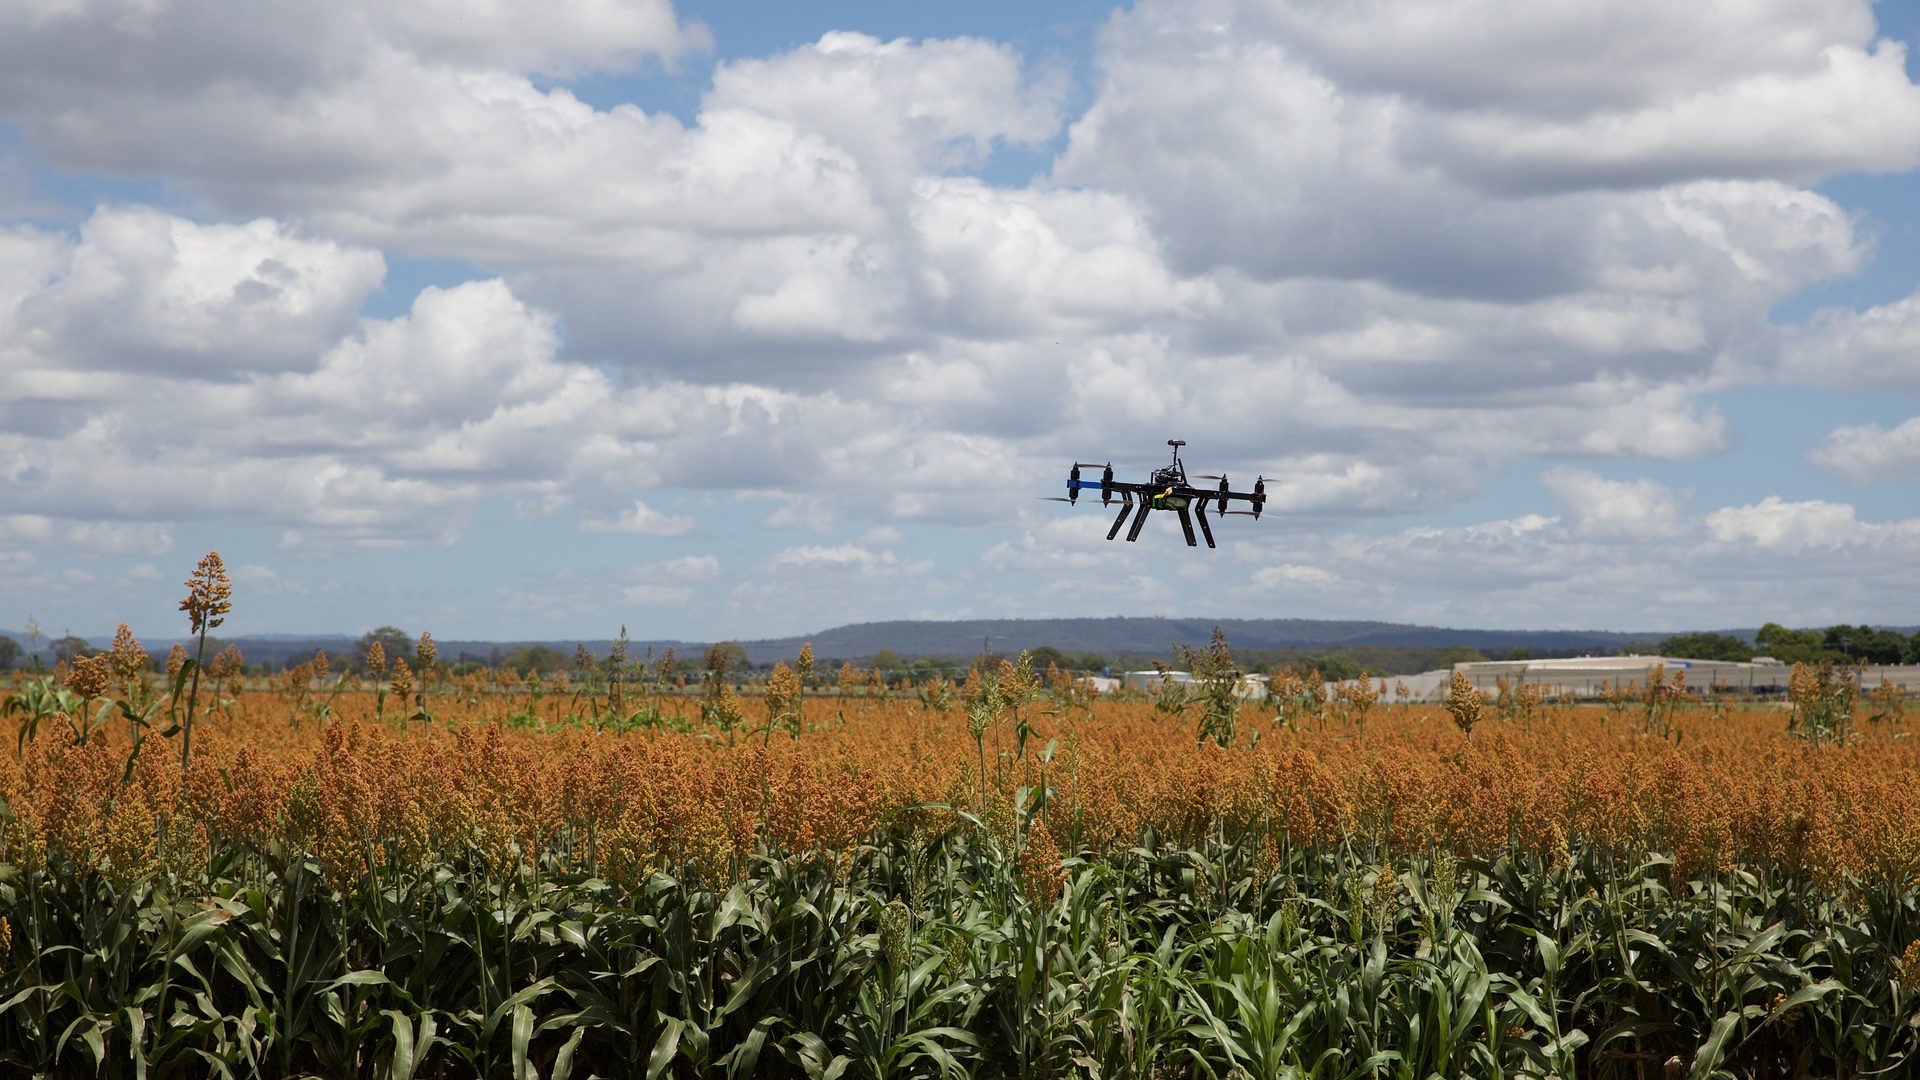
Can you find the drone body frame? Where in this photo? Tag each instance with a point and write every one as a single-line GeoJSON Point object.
{"type": "Point", "coordinates": [1166, 488]}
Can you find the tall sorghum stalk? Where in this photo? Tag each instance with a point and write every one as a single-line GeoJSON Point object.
{"type": "Point", "coordinates": [86, 676]}
{"type": "Point", "coordinates": [207, 602]}
{"type": "Point", "coordinates": [130, 662]}
{"type": "Point", "coordinates": [377, 673]}
{"type": "Point", "coordinates": [1218, 681]}
{"type": "Point", "coordinates": [980, 714]}
{"type": "Point", "coordinates": [616, 667]}
{"type": "Point", "coordinates": [424, 655]}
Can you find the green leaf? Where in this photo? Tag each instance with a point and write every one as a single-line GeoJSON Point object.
{"type": "Point", "coordinates": [563, 1061]}
{"type": "Point", "coordinates": [1549, 954]}
{"type": "Point", "coordinates": [406, 1053]}
{"type": "Point", "coordinates": [23, 995]}
{"type": "Point", "coordinates": [1707, 1059]}
{"type": "Point", "coordinates": [137, 1041]}
{"type": "Point", "coordinates": [522, 1034]}
{"type": "Point", "coordinates": [665, 1049]}
{"type": "Point", "coordinates": [365, 977]}
{"type": "Point", "coordinates": [186, 672]}
{"type": "Point", "coordinates": [515, 1000]}
{"type": "Point", "coordinates": [742, 1060]}
{"type": "Point", "coordinates": [198, 928]}
{"type": "Point", "coordinates": [1531, 1006]}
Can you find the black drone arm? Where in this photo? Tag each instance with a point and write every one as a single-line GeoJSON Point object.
{"type": "Point", "coordinates": [1215, 494]}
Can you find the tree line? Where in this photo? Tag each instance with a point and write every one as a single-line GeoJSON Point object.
{"type": "Point", "coordinates": [1840, 644]}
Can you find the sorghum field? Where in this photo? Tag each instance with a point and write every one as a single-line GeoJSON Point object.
{"type": "Point", "coordinates": [427, 875]}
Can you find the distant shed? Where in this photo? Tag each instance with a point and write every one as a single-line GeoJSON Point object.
{"type": "Point", "coordinates": [1591, 676]}
{"type": "Point", "coordinates": [1148, 681]}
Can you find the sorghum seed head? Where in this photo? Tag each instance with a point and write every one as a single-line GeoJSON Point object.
{"type": "Point", "coordinates": [209, 594]}
{"type": "Point", "coordinates": [88, 675]}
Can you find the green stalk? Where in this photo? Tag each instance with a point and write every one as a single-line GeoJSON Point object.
{"type": "Point", "coordinates": [193, 696]}
{"type": "Point", "coordinates": [980, 743]}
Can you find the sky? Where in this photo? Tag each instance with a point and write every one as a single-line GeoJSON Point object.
{"type": "Point", "coordinates": [530, 320]}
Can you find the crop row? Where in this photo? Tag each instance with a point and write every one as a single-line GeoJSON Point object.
{"type": "Point", "coordinates": [1004, 883]}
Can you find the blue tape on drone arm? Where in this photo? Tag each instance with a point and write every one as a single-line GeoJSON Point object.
{"type": "Point", "coordinates": [1083, 483]}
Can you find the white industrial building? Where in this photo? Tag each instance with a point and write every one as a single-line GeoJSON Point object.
{"type": "Point", "coordinates": [1591, 676]}
{"type": "Point", "coordinates": [1581, 676]}
{"type": "Point", "coordinates": [1149, 682]}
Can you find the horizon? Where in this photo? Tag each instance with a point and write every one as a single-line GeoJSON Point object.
{"type": "Point", "coordinates": [1653, 635]}
{"type": "Point", "coordinates": [735, 322]}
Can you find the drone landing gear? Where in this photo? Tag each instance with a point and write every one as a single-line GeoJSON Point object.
{"type": "Point", "coordinates": [1125, 509]}
{"type": "Point", "coordinates": [1139, 519]}
{"type": "Point", "coordinates": [1200, 511]}
{"type": "Point", "coordinates": [1186, 526]}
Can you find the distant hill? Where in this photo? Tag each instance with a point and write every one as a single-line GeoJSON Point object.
{"type": "Point", "coordinates": [1115, 637]}
{"type": "Point", "coordinates": [1111, 637]}
{"type": "Point", "coordinates": [1157, 637]}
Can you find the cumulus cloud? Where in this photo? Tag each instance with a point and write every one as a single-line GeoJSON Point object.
{"type": "Point", "coordinates": [147, 291]}
{"type": "Point", "coordinates": [599, 598]}
{"type": "Point", "coordinates": [567, 37]}
{"type": "Point", "coordinates": [800, 512]}
{"type": "Point", "coordinates": [406, 128]}
{"type": "Point", "coordinates": [1008, 263]}
{"type": "Point", "coordinates": [1560, 94]}
{"type": "Point", "coordinates": [1868, 452]}
{"type": "Point", "coordinates": [260, 578]}
{"type": "Point", "coordinates": [377, 440]}
{"type": "Point", "coordinates": [810, 586]}
{"type": "Point", "coordinates": [1765, 561]}
{"type": "Point", "coordinates": [655, 595]}
{"type": "Point", "coordinates": [1776, 524]}
{"type": "Point", "coordinates": [901, 107]}
{"type": "Point", "coordinates": [683, 568]}
{"type": "Point", "coordinates": [1617, 509]}
{"type": "Point", "coordinates": [842, 556]}
{"type": "Point", "coordinates": [668, 583]}
{"type": "Point", "coordinates": [1560, 57]}
{"type": "Point", "coordinates": [95, 538]}
{"type": "Point", "coordinates": [393, 149]}
{"type": "Point", "coordinates": [1293, 574]}
{"type": "Point", "coordinates": [1878, 348]}
{"type": "Point", "coordinates": [640, 518]}
{"type": "Point", "coordinates": [1854, 110]}
{"type": "Point", "coordinates": [1261, 151]}
{"type": "Point", "coordinates": [279, 45]}
{"type": "Point", "coordinates": [1070, 559]}
{"type": "Point", "coordinates": [120, 538]}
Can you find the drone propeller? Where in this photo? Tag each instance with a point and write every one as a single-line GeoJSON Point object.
{"type": "Point", "coordinates": [1238, 513]}
{"type": "Point", "coordinates": [1209, 476]}
{"type": "Point", "coordinates": [1053, 498]}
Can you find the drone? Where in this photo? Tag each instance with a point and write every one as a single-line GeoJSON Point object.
{"type": "Point", "coordinates": [1166, 488]}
